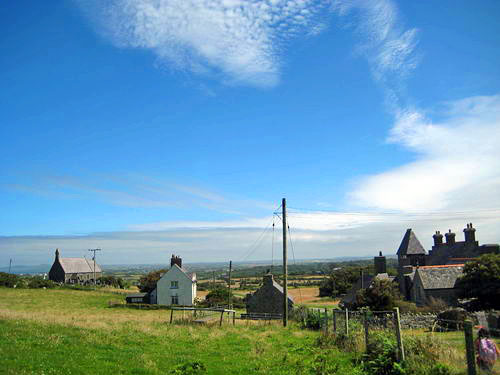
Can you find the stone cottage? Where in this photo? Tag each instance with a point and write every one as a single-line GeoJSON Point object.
{"type": "Point", "coordinates": [74, 270]}
{"type": "Point", "coordinates": [268, 298]}
{"type": "Point", "coordinates": [436, 282]}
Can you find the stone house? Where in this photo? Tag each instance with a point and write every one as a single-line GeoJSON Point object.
{"type": "Point", "coordinates": [73, 270]}
{"type": "Point", "coordinates": [176, 286]}
{"type": "Point", "coordinates": [436, 282]}
{"type": "Point", "coordinates": [268, 298]}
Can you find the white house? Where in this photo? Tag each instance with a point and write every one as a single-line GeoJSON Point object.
{"type": "Point", "coordinates": [176, 286]}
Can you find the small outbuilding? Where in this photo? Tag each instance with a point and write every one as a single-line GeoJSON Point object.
{"type": "Point", "coordinates": [268, 298]}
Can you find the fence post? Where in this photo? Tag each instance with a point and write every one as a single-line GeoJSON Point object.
{"type": "Point", "coordinates": [221, 317]}
{"type": "Point", "coordinates": [234, 318]}
{"type": "Point", "coordinates": [365, 323]}
{"type": "Point", "coordinates": [401, 350]}
{"type": "Point", "coordinates": [346, 322]}
{"type": "Point", "coordinates": [326, 320]}
{"type": "Point", "coordinates": [171, 315]}
{"type": "Point", "coordinates": [334, 321]}
{"type": "Point", "coordinates": [469, 347]}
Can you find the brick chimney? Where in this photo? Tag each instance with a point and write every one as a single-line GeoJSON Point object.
{"type": "Point", "coordinates": [470, 233]}
{"type": "Point", "coordinates": [438, 238]}
{"type": "Point", "coordinates": [175, 260]}
{"type": "Point", "coordinates": [450, 238]}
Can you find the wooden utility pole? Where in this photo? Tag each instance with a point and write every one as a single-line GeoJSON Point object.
{"type": "Point", "coordinates": [94, 251]}
{"type": "Point", "coordinates": [10, 264]}
{"type": "Point", "coordinates": [285, 266]}
{"type": "Point", "coordinates": [229, 285]}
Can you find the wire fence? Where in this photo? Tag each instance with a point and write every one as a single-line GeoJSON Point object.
{"type": "Point", "coordinates": [453, 342]}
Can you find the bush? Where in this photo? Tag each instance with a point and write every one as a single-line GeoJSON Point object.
{"type": "Point", "coordinates": [38, 282]}
{"type": "Point", "coordinates": [9, 280]}
{"type": "Point", "coordinates": [116, 282]}
{"type": "Point", "coordinates": [382, 295]}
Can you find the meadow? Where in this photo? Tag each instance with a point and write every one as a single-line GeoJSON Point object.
{"type": "Point", "coordinates": [77, 332]}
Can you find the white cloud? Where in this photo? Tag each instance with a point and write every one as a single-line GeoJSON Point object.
{"type": "Point", "coordinates": [457, 166]}
{"type": "Point", "coordinates": [240, 39]}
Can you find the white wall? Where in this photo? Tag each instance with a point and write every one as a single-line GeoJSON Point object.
{"type": "Point", "coordinates": [186, 291]}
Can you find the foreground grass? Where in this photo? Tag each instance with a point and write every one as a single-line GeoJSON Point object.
{"type": "Point", "coordinates": [75, 332]}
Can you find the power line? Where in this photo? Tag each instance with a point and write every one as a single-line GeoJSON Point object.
{"type": "Point", "coordinates": [293, 255]}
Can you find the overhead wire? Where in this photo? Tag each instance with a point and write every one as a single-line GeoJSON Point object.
{"type": "Point", "coordinates": [293, 255]}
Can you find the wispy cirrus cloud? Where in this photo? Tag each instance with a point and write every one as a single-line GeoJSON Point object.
{"type": "Point", "coordinates": [388, 45]}
{"type": "Point", "coordinates": [241, 41]}
{"type": "Point", "coordinates": [135, 191]}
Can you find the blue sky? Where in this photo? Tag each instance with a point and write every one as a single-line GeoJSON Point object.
{"type": "Point", "coordinates": [148, 127]}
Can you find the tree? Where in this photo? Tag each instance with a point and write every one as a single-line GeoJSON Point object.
{"type": "Point", "coordinates": [481, 283]}
{"type": "Point", "coordinates": [381, 295]}
{"type": "Point", "coordinates": [147, 283]}
{"type": "Point", "coordinates": [339, 281]}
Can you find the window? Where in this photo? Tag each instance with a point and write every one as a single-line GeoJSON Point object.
{"type": "Point", "coordinates": [174, 285]}
{"type": "Point", "coordinates": [175, 300]}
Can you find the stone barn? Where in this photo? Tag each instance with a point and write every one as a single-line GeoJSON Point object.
{"type": "Point", "coordinates": [74, 270]}
{"type": "Point", "coordinates": [268, 298]}
{"type": "Point", "coordinates": [437, 282]}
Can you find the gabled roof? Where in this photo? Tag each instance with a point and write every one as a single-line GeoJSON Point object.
{"type": "Point", "coordinates": [78, 265]}
{"type": "Point", "coordinates": [440, 277]}
{"type": "Point", "coordinates": [410, 245]}
{"type": "Point", "coordinates": [280, 289]}
{"type": "Point", "coordinates": [190, 275]}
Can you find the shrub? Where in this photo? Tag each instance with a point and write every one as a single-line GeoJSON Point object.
{"type": "Point", "coordinates": [190, 368]}
{"type": "Point", "coordinates": [38, 282]}
{"type": "Point", "coordinates": [9, 280]}
{"type": "Point", "coordinates": [116, 282]}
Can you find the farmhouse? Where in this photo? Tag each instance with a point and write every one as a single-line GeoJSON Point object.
{"type": "Point", "coordinates": [176, 286]}
{"type": "Point", "coordinates": [268, 298]}
{"type": "Point", "coordinates": [74, 270]}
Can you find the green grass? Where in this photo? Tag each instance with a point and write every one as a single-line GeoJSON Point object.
{"type": "Point", "coordinates": [75, 332]}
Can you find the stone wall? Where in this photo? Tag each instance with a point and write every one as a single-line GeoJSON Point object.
{"type": "Point", "coordinates": [417, 321]}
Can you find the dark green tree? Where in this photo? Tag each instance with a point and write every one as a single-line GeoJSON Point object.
{"type": "Point", "coordinates": [381, 295]}
{"type": "Point", "coordinates": [339, 282]}
{"type": "Point", "coordinates": [480, 283]}
{"type": "Point", "coordinates": [147, 283]}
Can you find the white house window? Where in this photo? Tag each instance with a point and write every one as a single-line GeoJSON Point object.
{"type": "Point", "coordinates": [175, 300]}
{"type": "Point", "coordinates": [174, 285]}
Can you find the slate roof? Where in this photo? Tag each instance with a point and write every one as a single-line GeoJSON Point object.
{"type": "Point", "coordinates": [280, 289]}
{"type": "Point", "coordinates": [410, 245]}
{"type": "Point", "coordinates": [440, 277]}
{"type": "Point", "coordinates": [78, 265]}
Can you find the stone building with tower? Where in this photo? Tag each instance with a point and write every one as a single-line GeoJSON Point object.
{"type": "Point", "coordinates": [74, 270]}
{"type": "Point", "coordinates": [423, 276]}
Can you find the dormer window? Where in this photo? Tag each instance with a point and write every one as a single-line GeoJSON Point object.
{"type": "Point", "coordinates": [174, 285]}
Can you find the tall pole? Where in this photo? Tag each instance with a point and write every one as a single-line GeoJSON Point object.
{"type": "Point", "coordinates": [285, 266]}
{"type": "Point", "coordinates": [229, 286]}
{"type": "Point", "coordinates": [94, 251]}
{"type": "Point", "coordinates": [10, 264]}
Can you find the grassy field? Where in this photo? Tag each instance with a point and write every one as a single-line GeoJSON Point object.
{"type": "Point", "coordinates": [77, 332]}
